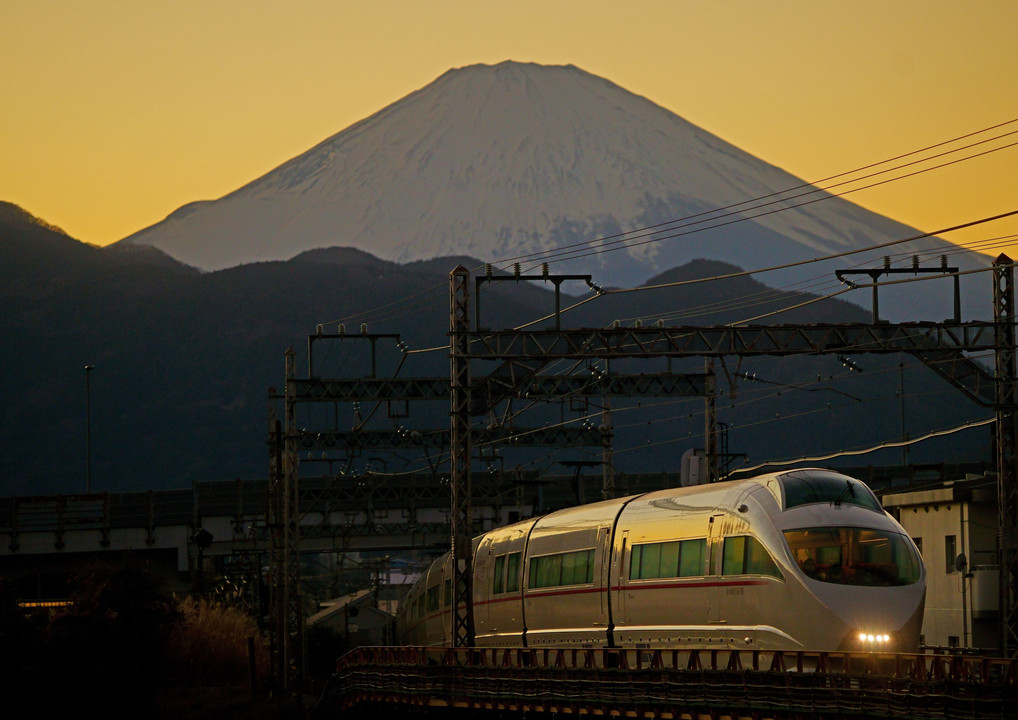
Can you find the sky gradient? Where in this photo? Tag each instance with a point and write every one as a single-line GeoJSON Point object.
{"type": "Point", "coordinates": [117, 112]}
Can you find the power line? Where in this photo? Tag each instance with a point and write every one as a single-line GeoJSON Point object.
{"type": "Point", "coordinates": [576, 255]}
{"type": "Point", "coordinates": [872, 448]}
{"type": "Point", "coordinates": [674, 222]}
{"type": "Point", "coordinates": [730, 210]}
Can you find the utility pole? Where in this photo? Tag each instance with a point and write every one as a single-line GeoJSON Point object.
{"type": "Point", "coordinates": [459, 422]}
{"type": "Point", "coordinates": [88, 428]}
{"type": "Point", "coordinates": [710, 422]}
{"type": "Point", "coordinates": [1007, 447]}
{"type": "Point", "coordinates": [292, 639]}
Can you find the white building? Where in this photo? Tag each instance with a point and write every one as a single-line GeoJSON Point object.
{"type": "Point", "coordinates": [955, 526]}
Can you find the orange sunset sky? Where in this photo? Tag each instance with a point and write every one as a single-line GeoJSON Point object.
{"type": "Point", "coordinates": [117, 112]}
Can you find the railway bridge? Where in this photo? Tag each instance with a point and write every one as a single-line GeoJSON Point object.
{"type": "Point", "coordinates": [223, 527]}
{"type": "Point", "coordinates": [714, 684]}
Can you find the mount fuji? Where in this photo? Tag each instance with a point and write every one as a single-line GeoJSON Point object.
{"type": "Point", "coordinates": [514, 160]}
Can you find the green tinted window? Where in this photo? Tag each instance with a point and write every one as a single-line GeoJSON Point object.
{"type": "Point", "coordinates": [734, 556]}
{"type": "Point", "coordinates": [746, 555]}
{"type": "Point", "coordinates": [758, 560]}
{"type": "Point", "coordinates": [667, 560]}
{"type": "Point", "coordinates": [498, 584]}
{"type": "Point", "coordinates": [512, 571]}
{"type": "Point", "coordinates": [650, 562]}
{"type": "Point", "coordinates": [691, 558]}
{"type": "Point", "coordinates": [574, 568]}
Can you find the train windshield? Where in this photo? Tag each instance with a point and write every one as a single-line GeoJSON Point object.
{"type": "Point", "coordinates": [804, 487]}
{"type": "Point", "coordinates": [854, 556]}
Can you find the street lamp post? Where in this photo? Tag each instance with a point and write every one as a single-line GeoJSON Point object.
{"type": "Point", "coordinates": [88, 428]}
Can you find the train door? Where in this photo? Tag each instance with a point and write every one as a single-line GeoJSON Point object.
{"type": "Point", "coordinates": [604, 579]}
{"type": "Point", "coordinates": [715, 542]}
{"type": "Point", "coordinates": [620, 615]}
{"type": "Point", "coordinates": [483, 567]}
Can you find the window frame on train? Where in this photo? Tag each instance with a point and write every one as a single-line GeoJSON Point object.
{"type": "Point", "coordinates": [641, 558]}
{"type": "Point", "coordinates": [746, 555]}
{"type": "Point", "coordinates": [506, 573]}
{"type": "Point", "coordinates": [542, 568]}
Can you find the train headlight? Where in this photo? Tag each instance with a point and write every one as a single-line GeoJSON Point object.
{"type": "Point", "coordinates": [874, 640]}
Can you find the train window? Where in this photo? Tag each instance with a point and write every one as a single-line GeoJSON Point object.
{"type": "Point", "coordinates": [433, 598]}
{"type": "Point", "coordinates": [573, 568]}
{"type": "Point", "coordinates": [746, 555]}
{"type": "Point", "coordinates": [498, 583]}
{"type": "Point", "coordinates": [447, 594]}
{"type": "Point", "coordinates": [805, 487]}
{"type": "Point", "coordinates": [691, 560]}
{"type": "Point", "coordinates": [669, 559]}
{"type": "Point", "coordinates": [854, 556]}
{"type": "Point", "coordinates": [507, 574]}
{"type": "Point", "coordinates": [512, 572]}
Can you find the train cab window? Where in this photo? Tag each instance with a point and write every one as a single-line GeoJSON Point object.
{"type": "Point", "coordinates": [805, 487]}
{"type": "Point", "coordinates": [433, 594]}
{"type": "Point", "coordinates": [572, 568]}
{"type": "Point", "coordinates": [678, 558]}
{"type": "Point", "coordinates": [447, 594]}
{"type": "Point", "coordinates": [745, 555]}
{"type": "Point", "coordinates": [854, 556]}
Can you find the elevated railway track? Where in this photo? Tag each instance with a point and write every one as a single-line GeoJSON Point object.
{"type": "Point", "coordinates": [690, 684]}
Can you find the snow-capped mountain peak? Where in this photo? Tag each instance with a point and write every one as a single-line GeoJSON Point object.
{"type": "Point", "coordinates": [499, 161]}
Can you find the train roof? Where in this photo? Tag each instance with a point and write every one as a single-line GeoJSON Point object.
{"type": "Point", "coordinates": [790, 488]}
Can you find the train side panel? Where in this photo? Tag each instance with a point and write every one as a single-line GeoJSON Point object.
{"type": "Point", "coordinates": [690, 570]}
{"type": "Point", "coordinates": [648, 602]}
{"type": "Point", "coordinates": [498, 586]}
{"type": "Point", "coordinates": [566, 577]}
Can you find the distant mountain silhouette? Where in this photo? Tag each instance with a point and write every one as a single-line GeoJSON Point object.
{"type": "Point", "coordinates": [184, 361]}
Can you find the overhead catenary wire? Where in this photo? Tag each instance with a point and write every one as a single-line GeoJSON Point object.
{"type": "Point", "coordinates": [783, 266]}
{"type": "Point", "coordinates": [810, 285]}
{"type": "Point", "coordinates": [746, 273]}
{"type": "Point", "coordinates": [732, 206]}
{"type": "Point", "coordinates": [738, 216]}
{"type": "Point", "coordinates": [673, 222]}
{"type": "Point", "coordinates": [869, 449]}
{"type": "Point", "coordinates": [880, 246]}
{"type": "Point", "coordinates": [643, 405]}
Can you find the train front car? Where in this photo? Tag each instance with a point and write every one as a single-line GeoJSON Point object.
{"type": "Point", "coordinates": [806, 559]}
{"type": "Point", "coordinates": [853, 562]}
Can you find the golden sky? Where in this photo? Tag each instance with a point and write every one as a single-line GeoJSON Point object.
{"type": "Point", "coordinates": [117, 112]}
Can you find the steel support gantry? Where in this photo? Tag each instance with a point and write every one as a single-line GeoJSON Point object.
{"type": "Point", "coordinates": [938, 344]}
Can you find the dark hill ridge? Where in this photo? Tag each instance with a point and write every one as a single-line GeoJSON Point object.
{"type": "Point", "coordinates": [699, 302]}
{"type": "Point", "coordinates": [184, 360]}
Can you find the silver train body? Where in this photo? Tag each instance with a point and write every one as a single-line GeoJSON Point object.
{"type": "Point", "coordinates": [796, 560]}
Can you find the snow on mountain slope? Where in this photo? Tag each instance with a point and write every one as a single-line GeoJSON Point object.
{"type": "Point", "coordinates": [506, 160]}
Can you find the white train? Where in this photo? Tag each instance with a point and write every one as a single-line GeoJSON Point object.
{"type": "Point", "coordinates": [796, 560]}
